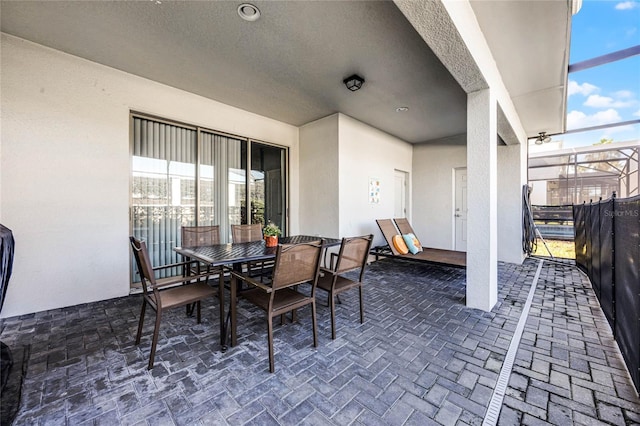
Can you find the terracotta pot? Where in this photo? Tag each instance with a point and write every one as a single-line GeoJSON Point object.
{"type": "Point", "coordinates": [271, 241]}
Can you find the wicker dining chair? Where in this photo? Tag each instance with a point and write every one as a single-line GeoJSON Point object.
{"type": "Point", "coordinates": [294, 264]}
{"type": "Point", "coordinates": [166, 293]}
{"type": "Point", "coordinates": [352, 256]}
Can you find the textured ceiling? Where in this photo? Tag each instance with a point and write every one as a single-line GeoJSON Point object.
{"type": "Point", "coordinates": [288, 65]}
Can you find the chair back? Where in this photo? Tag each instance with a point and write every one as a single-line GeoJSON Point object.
{"type": "Point", "coordinates": [353, 254]}
{"type": "Point", "coordinates": [246, 233]}
{"type": "Point", "coordinates": [141, 254]}
{"type": "Point", "coordinates": [297, 264]}
{"type": "Point", "coordinates": [388, 230]}
{"type": "Point", "coordinates": [197, 236]}
{"type": "Point", "coordinates": [404, 226]}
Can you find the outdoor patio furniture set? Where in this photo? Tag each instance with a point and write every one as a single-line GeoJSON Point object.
{"type": "Point", "coordinates": [279, 279]}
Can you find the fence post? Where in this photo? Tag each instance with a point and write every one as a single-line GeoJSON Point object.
{"type": "Point", "coordinates": [584, 221]}
{"type": "Point", "coordinates": [613, 263]}
{"type": "Point", "coordinates": [598, 228]}
{"type": "Point", "coordinates": [598, 242]}
{"type": "Point", "coordinates": [589, 241]}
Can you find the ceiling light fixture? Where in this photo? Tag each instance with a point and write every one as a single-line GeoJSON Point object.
{"type": "Point", "coordinates": [402, 109]}
{"type": "Point", "coordinates": [353, 82]}
{"type": "Point", "coordinates": [248, 12]}
{"type": "Point", "coordinates": [543, 138]}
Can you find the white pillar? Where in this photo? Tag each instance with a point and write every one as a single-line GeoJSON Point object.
{"type": "Point", "coordinates": [512, 176]}
{"type": "Point", "coordinates": [482, 268]}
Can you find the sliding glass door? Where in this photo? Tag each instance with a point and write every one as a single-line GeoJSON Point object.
{"type": "Point", "coordinates": [189, 176]}
{"type": "Point", "coordinates": [222, 182]}
{"type": "Point", "coordinates": [267, 185]}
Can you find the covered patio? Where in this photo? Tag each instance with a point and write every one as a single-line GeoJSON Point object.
{"type": "Point", "coordinates": [449, 87]}
{"type": "Point", "coordinates": [421, 357]}
{"type": "Point", "coordinates": [452, 91]}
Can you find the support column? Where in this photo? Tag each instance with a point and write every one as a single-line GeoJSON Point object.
{"type": "Point", "coordinates": [512, 176]}
{"type": "Point", "coordinates": [482, 268]}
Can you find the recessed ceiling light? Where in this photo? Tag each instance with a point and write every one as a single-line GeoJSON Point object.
{"type": "Point", "coordinates": [248, 12]}
{"type": "Point", "coordinates": [402, 109]}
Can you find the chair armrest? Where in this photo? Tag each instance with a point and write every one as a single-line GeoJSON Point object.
{"type": "Point", "coordinates": [170, 281]}
{"type": "Point", "coordinates": [173, 265]}
{"type": "Point", "coordinates": [327, 271]}
{"type": "Point", "coordinates": [249, 280]}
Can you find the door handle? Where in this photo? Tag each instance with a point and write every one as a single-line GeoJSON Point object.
{"type": "Point", "coordinates": [457, 215]}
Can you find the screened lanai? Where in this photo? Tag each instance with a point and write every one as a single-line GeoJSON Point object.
{"type": "Point", "coordinates": [577, 175]}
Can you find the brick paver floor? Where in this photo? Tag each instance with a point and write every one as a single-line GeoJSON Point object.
{"type": "Point", "coordinates": [421, 357]}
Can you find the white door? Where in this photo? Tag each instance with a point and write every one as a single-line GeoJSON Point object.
{"type": "Point", "coordinates": [460, 213]}
{"type": "Point", "coordinates": [400, 194]}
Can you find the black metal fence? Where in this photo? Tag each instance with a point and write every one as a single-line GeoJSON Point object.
{"type": "Point", "coordinates": [607, 240]}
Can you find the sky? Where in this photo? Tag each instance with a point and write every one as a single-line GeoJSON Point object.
{"type": "Point", "coordinates": [608, 93]}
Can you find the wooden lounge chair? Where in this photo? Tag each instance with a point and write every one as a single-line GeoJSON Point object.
{"type": "Point", "coordinates": [433, 255]}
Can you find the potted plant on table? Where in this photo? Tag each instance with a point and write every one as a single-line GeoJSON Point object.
{"type": "Point", "coordinates": [271, 233]}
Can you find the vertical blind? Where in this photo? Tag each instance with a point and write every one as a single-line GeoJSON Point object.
{"type": "Point", "coordinates": [222, 182]}
{"type": "Point", "coordinates": [163, 193]}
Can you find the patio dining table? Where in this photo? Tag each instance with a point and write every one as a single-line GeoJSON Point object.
{"type": "Point", "coordinates": [235, 254]}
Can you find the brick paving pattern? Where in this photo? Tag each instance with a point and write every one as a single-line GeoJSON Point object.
{"type": "Point", "coordinates": [420, 358]}
{"type": "Point", "coordinates": [569, 369]}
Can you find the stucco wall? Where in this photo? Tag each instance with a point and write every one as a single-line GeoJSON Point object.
{"type": "Point", "coordinates": [338, 155]}
{"type": "Point", "coordinates": [319, 191]}
{"type": "Point", "coordinates": [366, 152]}
{"type": "Point", "coordinates": [433, 185]}
{"type": "Point", "coordinates": [65, 169]}
{"type": "Point", "coordinates": [434, 167]}
{"type": "Point", "coordinates": [512, 176]}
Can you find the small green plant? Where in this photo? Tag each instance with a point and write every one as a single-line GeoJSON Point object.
{"type": "Point", "coordinates": [271, 230]}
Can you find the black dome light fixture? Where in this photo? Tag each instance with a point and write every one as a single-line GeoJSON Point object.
{"type": "Point", "coordinates": [353, 82]}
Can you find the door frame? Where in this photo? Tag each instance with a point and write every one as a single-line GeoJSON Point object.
{"type": "Point", "coordinates": [407, 200]}
{"type": "Point", "coordinates": [454, 171]}
{"type": "Point", "coordinates": [285, 177]}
